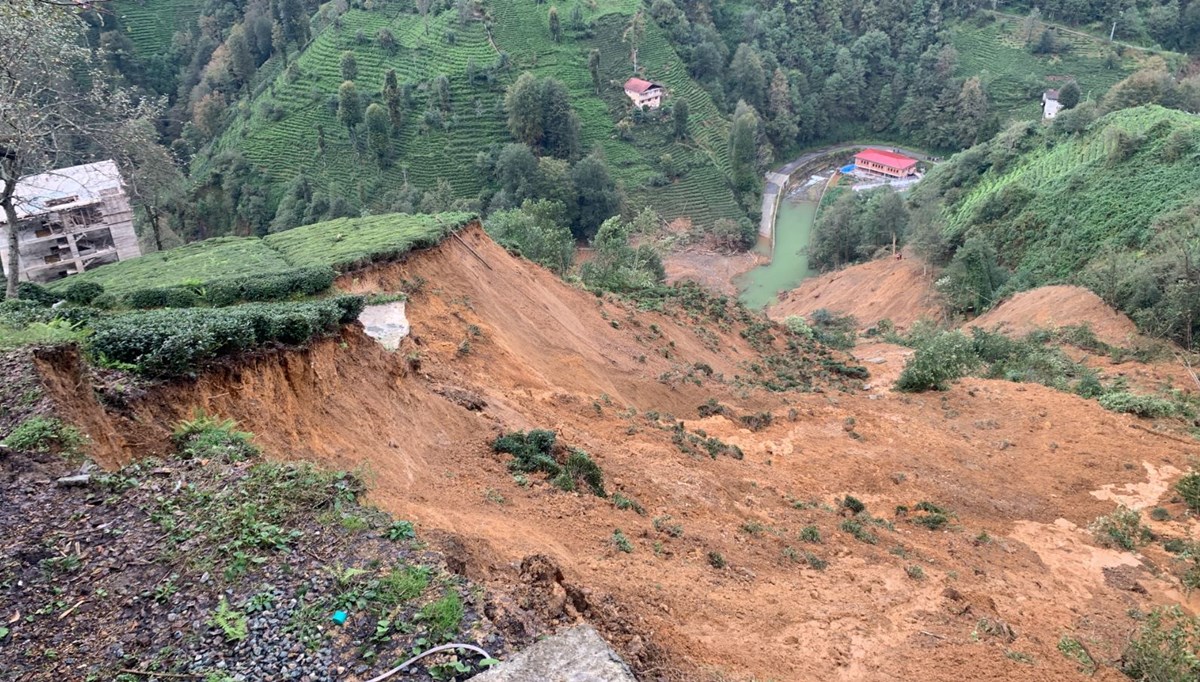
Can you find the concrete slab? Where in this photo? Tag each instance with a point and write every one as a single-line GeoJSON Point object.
{"type": "Point", "coordinates": [386, 323]}
{"type": "Point", "coordinates": [576, 655]}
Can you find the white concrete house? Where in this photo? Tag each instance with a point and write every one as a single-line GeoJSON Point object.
{"type": "Point", "coordinates": [70, 220]}
{"type": "Point", "coordinates": [645, 94]}
{"type": "Point", "coordinates": [1050, 104]}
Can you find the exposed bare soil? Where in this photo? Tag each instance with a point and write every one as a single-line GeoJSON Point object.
{"type": "Point", "coordinates": [498, 344]}
{"type": "Point", "coordinates": [1058, 306]}
{"type": "Point", "coordinates": [897, 290]}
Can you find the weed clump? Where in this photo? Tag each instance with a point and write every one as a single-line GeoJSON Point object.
{"type": "Point", "coordinates": [945, 357]}
{"type": "Point", "coordinates": [1139, 405]}
{"type": "Point", "coordinates": [1121, 529]}
{"type": "Point", "coordinates": [1167, 649]}
{"type": "Point", "coordinates": [207, 437]}
{"type": "Point", "coordinates": [621, 542]}
{"type": "Point", "coordinates": [932, 516]}
{"type": "Point", "coordinates": [860, 532]}
{"type": "Point", "coordinates": [1188, 488]}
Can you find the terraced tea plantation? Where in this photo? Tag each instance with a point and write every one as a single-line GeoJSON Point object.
{"type": "Point", "coordinates": [281, 131]}
{"type": "Point", "coordinates": [151, 24]}
{"type": "Point", "coordinates": [1015, 77]}
{"type": "Point", "coordinates": [1056, 203]}
{"type": "Point", "coordinates": [337, 244]}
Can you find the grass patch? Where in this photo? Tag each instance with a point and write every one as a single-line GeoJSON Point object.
{"type": "Point", "coordinates": [207, 437]}
{"type": "Point", "coordinates": [44, 434]}
{"type": "Point", "coordinates": [443, 616]}
{"type": "Point", "coordinates": [1075, 650]}
{"type": "Point", "coordinates": [860, 532]}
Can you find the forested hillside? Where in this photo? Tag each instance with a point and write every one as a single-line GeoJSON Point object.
{"type": "Point", "coordinates": [1111, 203]}
{"type": "Point", "coordinates": [287, 112]}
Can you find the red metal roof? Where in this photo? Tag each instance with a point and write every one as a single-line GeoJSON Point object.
{"type": "Point", "coordinates": [639, 86]}
{"type": "Point", "coordinates": [898, 161]}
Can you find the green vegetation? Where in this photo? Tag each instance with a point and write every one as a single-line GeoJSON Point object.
{"type": "Point", "coordinates": [535, 452]}
{"type": "Point", "coordinates": [351, 243]}
{"type": "Point", "coordinates": [1015, 77]}
{"type": "Point", "coordinates": [1140, 405]}
{"type": "Point", "coordinates": [858, 226]}
{"type": "Point", "coordinates": [207, 437]}
{"type": "Point", "coordinates": [1166, 649]}
{"type": "Point", "coordinates": [174, 342]}
{"type": "Point", "coordinates": [443, 616]}
{"type": "Point", "coordinates": [855, 527]}
{"type": "Point", "coordinates": [295, 264]}
{"type": "Point", "coordinates": [1188, 488]}
{"type": "Point", "coordinates": [1075, 650]}
{"type": "Point", "coordinates": [44, 434]}
{"type": "Point", "coordinates": [231, 623]}
{"type": "Point", "coordinates": [1105, 202]}
{"type": "Point", "coordinates": [1121, 529]}
{"type": "Point", "coordinates": [621, 542]}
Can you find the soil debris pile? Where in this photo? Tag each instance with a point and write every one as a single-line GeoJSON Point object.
{"type": "Point", "coordinates": [1052, 307]}
{"type": "Point", "coordinates": [897, 290]}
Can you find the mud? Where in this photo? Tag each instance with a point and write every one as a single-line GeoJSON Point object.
{"type": "Point", "coordinates": [732, 594]}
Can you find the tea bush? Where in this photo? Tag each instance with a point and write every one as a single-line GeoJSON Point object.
{"type": "Point", "coordinates": [166, 343]}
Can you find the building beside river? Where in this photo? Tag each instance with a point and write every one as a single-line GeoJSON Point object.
{"type": "Point", "coordinates": [876, 162]}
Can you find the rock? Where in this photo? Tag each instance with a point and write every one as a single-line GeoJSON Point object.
{"type": "Point", "coordinates": [576, 655]}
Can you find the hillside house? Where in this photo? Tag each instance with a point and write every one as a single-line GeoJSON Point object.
{"type": "Point", "coordinates": [645, 94]}
{"type": "Point", "coordinates": [71, 220]}
{"type": "Point", "coordinates": [877, 163]}
{"type": "Point", "coordinates": [1050, 104]}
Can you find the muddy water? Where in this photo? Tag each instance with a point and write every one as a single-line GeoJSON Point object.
{"type": "Point", "coordinates": [793, 229]}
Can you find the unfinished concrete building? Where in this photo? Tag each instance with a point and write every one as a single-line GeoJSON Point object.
{"type": "Point", "coordinates": [71, 220]}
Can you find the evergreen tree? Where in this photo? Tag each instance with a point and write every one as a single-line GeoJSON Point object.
{"type": "Point", "coordinates": [349, 111]}
{"type": "Point", "coordinates": [679, 116]}
{"type": "Point", "coordinates": [972, 112]}
{"type": "Point", "coordinates": [241, 62]}
{"type": "Point", "coordinates": [596, 198]}
{"type": "Point", "coordinates": [523, 103]}
{"type": "Point", "coordinates": [594, 68]}
{"type": "Point", "coordinates": [391, 99]}
{"type": "Point", "coordinates": [349, 66]}
{"type": "Point", "coordinates": [743, 147]}
{"type": "Point", "coordinates": [782, 127]}
{"type": "Point", "coordinates": [279, 40]}
{"type": "Point", "coordinates": [1069, 95]}
{"type": "Point", "coordinates": [555, 27]}
{"type": "Point", "coordinates": [747, 78]}
{"type": "Point", "coordinates": [379, 138]}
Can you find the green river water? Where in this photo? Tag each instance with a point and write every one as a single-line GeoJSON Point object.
{"type": "Point", "coordinates": [793, 228]}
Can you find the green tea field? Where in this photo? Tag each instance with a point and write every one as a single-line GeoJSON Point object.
{"type": "Point", "coordinates": [280, 129]}
{"type": "Point", "coordinates": [1015, 78]}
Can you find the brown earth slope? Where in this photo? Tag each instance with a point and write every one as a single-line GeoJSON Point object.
{"type": "Point", "coordinates": [898, 290]}
{"type": "Point", "coordinates": [723, 582]}
{"type": "Point", "coordinates": [1057, 306]}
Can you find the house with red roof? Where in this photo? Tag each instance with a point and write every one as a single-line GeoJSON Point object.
{"type": "Point", "coordinates": [645, 94]}
{"type": "Point", "coordinates": [890, 164]}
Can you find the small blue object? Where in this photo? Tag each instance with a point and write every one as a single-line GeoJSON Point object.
{"type": "Point", "coordinates": [339, 617]}
{"type": "Point", "coordinates": [846, 170]}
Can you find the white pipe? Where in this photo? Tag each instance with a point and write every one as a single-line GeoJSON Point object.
{"type": "Point", "coordinates": [434, 650]}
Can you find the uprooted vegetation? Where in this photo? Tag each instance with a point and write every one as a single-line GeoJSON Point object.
{"type": "Point", "coordinates": [535, 452]}
{"type": "Point", "coordinates": [222, 566]}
